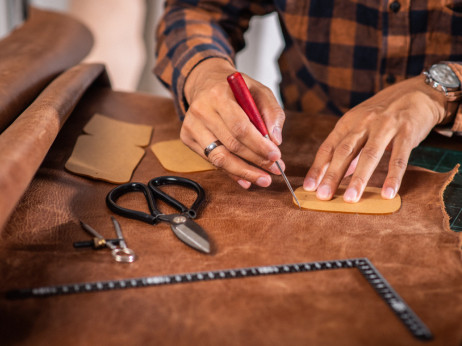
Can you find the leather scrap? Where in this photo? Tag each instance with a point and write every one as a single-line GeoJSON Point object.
{"type": "Point", "coordinates": [110, 150]}
{"type": "Point", "coordinates": [176, 157]}
{"type": "Point", "coordinates": [371, 202]}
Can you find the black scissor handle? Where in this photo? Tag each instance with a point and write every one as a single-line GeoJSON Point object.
{"type": "Point", "coordinates": [173, 180]}
{"type": "Point", "coordinates": [117, 192]}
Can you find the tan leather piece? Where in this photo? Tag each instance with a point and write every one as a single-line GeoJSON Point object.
{"type": "Point", "coordinates": [110, 150]}
{"type": "Point", "coordinates": [413, 248]}
{"type": "Point", "coordinates": [24, 144]}
{"type": "Point", "coordinates": [371, 202]}
{"type": "Point", "coordinates": [32, 55]}
{"type": "Point", "coordinates": [176, 157]}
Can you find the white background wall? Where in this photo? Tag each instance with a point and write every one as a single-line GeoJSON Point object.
{"type": "Point", "coordinates": [124, 40]}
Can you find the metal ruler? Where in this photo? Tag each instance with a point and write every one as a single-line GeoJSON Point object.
{"type": "Point", "coordinates": [365, 267]}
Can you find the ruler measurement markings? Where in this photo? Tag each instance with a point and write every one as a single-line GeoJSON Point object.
{"type": "Point", "coordinates": [365, 267]}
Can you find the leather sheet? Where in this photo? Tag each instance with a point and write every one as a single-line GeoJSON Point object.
{"type": "Point", "coordinates": [34, 54]}
{"type": "Point", "coordinates": [413, 248]}
{"type": "Point", "coordinates": [24, 144]}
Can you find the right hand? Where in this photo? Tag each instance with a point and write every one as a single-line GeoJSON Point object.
{"type": "Point", "coordinates": [214, 114]}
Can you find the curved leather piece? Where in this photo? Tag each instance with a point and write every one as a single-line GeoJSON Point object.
{"type": "Point", "coordinates": [24, 144]}
{"type": "Point", "coordinates": [32, 55]}
{"type": "Point", "coordinates": [413, 248]}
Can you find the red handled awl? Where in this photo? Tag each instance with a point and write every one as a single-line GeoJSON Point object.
{"type": "Point", "coordinates": [247, 103]}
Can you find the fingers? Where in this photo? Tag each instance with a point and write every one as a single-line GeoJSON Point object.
{"type": "Point", "coordinates": [214, 114]}
{"type": "Point", "coordinates": [242, 138]}
{"type": "Point", "coordinates": [367, 163]}
{"type": "Point", "coordinates": [324, 157]}
{"type": "Point", "coordinates": [351, 169]}
{"type": "Point", "coordinates": [396, 168]}
{"type": "Point", "coordinates": [359, 153]}
{"type": "Point", "coordinates": [197, 136]}
{"type": "Point", "coordinates": [256, 149]}
{"type": "Point", "coordinates": [343, 154]}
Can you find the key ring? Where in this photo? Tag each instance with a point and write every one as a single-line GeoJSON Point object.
{"type": "Point", "coordinates": [123, 255]}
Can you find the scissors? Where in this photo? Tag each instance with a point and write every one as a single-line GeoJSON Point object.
{"type": "Point", "coordinates": [120, 253]}
{"type": "Point", "coordinates": [181, 223]}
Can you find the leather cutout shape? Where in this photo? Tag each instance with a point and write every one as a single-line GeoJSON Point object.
{"type": "Point", "coordinates": [110, 151]}
{"type": "Point", "coordinates": [175, 156]}
{"type": "Point", "coordinates": [370, 203]}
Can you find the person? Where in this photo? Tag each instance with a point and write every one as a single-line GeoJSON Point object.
{"type": "Point", "coordinates": [362, 60]}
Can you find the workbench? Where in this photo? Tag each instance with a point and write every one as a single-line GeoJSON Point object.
{"type": "Point", "coordinates": [414, 248]}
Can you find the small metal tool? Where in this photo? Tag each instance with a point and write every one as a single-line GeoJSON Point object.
{"type": "Point", "coordinates": [120, 253]}
{"type": "Point", "coordinates": [244, 98]}
{"type": "Point", "coordinates": [95, 243]}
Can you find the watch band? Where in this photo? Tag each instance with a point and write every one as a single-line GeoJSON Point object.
{"type": "Point", "coordinates": [451, 94]}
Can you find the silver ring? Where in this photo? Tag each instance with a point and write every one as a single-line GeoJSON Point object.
{"type": "Point", "coordinates": [208, 149]}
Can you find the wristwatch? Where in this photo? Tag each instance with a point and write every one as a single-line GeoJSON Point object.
{"type": "Point", "coordinates": [442, 78]}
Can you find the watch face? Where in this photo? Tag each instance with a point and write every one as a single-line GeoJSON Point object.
{"type": "Point", "coordinates": [443, 74]}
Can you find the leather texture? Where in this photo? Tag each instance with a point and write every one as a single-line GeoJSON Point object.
{"type": "Point", "coordinates": [34, 54]}
{"type": "Point", "coordinates": [413, 248]}
{"type": "Point", "coordinates": [24, 144]}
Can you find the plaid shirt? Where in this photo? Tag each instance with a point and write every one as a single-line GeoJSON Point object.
{"type": "Point", "coordinates": [337, 53]}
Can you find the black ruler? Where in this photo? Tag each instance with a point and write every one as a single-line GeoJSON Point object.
{"type": "Point", "coordinates": [365, 267]}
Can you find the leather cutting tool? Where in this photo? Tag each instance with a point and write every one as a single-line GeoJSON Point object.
{"type": "Point", "coordinates": [181, 223]}
{"type": "Point", "coordinates": [244, 98]}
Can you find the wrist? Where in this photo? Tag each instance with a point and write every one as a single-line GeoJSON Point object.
{"type": "Point", "coordinates": [444, 78]}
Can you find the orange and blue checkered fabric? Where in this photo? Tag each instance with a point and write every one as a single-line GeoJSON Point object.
{"type": "Point", "coordinates": [337, 53]}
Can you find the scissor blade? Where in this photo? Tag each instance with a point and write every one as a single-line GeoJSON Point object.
{"type": "Point", "coordinates": [192, 234]}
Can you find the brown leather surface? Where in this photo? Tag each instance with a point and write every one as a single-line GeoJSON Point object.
{"type": "Point", "coordinates": [413, 248]}
{"type": "Point", "coordinates": [31, 56]}
{"type": "Point", "coordinates": [24, 144]}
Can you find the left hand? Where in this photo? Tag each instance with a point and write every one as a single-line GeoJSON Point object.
{"type": "Point", "coordinates": [399, 117]}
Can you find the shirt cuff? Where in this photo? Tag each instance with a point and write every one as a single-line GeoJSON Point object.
{"type": "Point", "coordinates": [179, 75]}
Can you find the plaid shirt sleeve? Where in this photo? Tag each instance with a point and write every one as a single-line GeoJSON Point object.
{"type": "Point", "coordinates": [192, 31]}
{"type": "Point", "coordinates": [337, 54]}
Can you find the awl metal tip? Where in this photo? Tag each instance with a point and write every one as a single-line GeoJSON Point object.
{"type": "Point", "coordinates": [288, 185]}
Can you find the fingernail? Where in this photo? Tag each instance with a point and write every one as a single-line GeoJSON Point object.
{"type": "Point", "coordinates": [389, 193]}
{"type": "Point", "coordinates": [273, 156]}
{"type": "Point", "coordinates": [277, 133]}
{"type": "Point", "coordinates": [309, 184]}
{"type": "Point", "coordinates": [351, 195]}
{"type": "Point", "coordinates": [244, 183]}
{"type": "Point", "coordinates": [263, 181]}
{"type": "Point", "coordinates": [323, 192]}
{"type": "Point", "coordinates": [274, 169]}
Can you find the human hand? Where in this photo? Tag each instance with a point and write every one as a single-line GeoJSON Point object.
{"type": "Point", "coordinates": [399, 117]}
{"type": "Point", "coordinates": [214, 114]}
